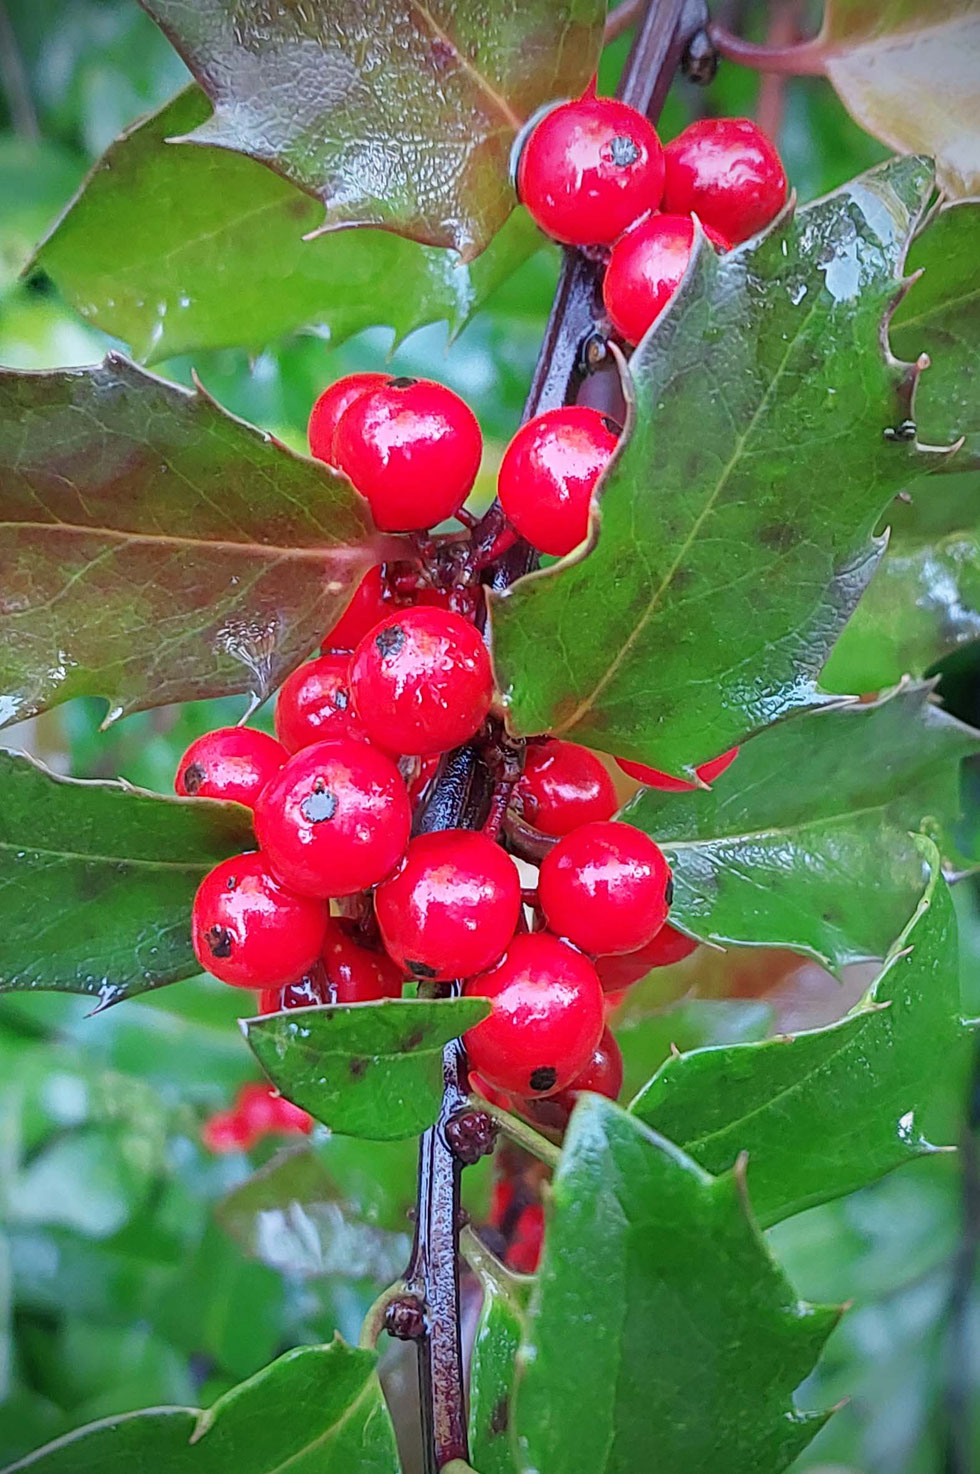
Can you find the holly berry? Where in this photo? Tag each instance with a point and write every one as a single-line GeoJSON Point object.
{"type": "Point", "coordinates": [355, 973]}
{"type": "Point", "coordinates": [645, 270]}
{"type": "Point", "coordinates": [606, 887]}
{"type": "Point", "coordinates": [413, 448]}
{"type": "Point", "coordinates": [249, 930]}
{"type": "Point", "coordinates": [334, 820]}
{"type": "Point", "coordinates": [728, 173]}
{"type": "Point", "coordinates": [225, 1131]}
{"type": "Point", "coordinates": [548, 473]}
{"type": "Point", "coordinates": [452, 906]}
{"type": "Point", "coordinates": [653, 778]}
{"type": "Point", "coordinates": [315, 704]}
{"type": "Point", "coordinates": [589, 169]}
{"type": "Point", "coordinates": [231, 763]}
{"type": "Point", "coordinates": [603, 1074]}
{"type": "Point", "coordinates": [368, 605]}
{"type": "Point", "coordinates": [564, 785]}
{"type": "Point", "coordinates": [495, 1097]}
{"type": "Point", "coordinates": [421, 682]}
{"type": "Point", "coordinates": [263, 1111]}
{"type": "Point", "coordinates": [546, 1017]}
{"type": "Point", "coordinates": [332, 403]}
{"type": "Point", "coordinates": [524, 1250]}
{"type": "Point", "coordinates": [666, 948]}
{"type": "Point", "coordinates": [309, 991]}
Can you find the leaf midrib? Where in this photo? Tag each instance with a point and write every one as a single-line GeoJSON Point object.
{"type": "Point", "coordinates": [787, 831]}
{"type": "Point", "coordinates": [273, 551]}
{"type": "Point", "coordinates": [93, 858]}
{"type": "Point", "coordinates": [483, 83]}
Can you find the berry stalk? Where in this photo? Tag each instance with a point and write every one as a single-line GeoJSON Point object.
{"type": "Point", "coordinates": [573, 348]}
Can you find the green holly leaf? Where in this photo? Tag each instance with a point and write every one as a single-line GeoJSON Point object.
{"type": "Point", "coordinates": [778, 853]}
{"type": "Point", "coordinates": [317, 1410]}
{"type": "Point", "coordinates": [399, 114]}
{"type": "Point", "coordinates": [503, 1321]}
{"type": "Point", "coordinates": [662, 1335]}
{"type": "Point", "coordinates": [292, 1216]}
{"type": "Point", "coordinates": [178, 249]}
{"type": "Point", "coordinates": [725, 568]}
{"type": "Point", "coordinates": [364, 1069]}
{"type": "Point", "coordinates": [97, 880]}
{"type": "Point", "coordinates": [884, 61]}
{"type": "Point", "coordinates": [825, 1112]}
{"type": "Point", "coordinates": [156, 549]}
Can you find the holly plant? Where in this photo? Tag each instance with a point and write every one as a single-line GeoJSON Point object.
{"type": "Point", "coordinates": [556, 731]}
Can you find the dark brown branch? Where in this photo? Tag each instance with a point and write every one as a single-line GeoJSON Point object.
{"type": "Point", "coordinates": [806, 59]}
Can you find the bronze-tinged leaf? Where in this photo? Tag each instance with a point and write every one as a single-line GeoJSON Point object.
{"type": "Point", "coordinates": [396, 113]}
{"type": "Point", "coordinates": [154, 548]}
{"type": "Point", "coordinates": [906, 70]}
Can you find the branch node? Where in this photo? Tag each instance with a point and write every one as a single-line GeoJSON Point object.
{"type": "Point", "coordinates": [471, 1135]}
{"type": "Point", "coordinates": [405, 1318]}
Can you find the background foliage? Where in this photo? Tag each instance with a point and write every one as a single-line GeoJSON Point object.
{"type": "Point", "coordinates": [135, 1268]}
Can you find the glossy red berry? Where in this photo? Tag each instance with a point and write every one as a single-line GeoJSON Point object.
{"type": "Point", "coordinates": [548, 473]}
{"type": "Point", "coordinates": [495, 1097]}
{"type": "Point", "coordinates": [263, 1112]}
{"type": "Point", "coordinates": [315, 704]}
{"type": "Point", "coordinates": [603, 1074]}
{"type": "Point", "coordinates": [645, 270]}
{"type": "Point", "coordinates": [369, 604]}
{"type": "Point", "coordinates": [332, 403]}
{"type": "Point", "coordinates": [422, 681]}
{"type": "Point", "coordinates": [309, 991]}
{"type": "Point", "coordinates": [249, 930]}
{"type": "Point", "coordinates": [546, 1017]}
{"type": "Point", "coordinates": [334, 820]}
{"type": "Point", "coordinates": [728, 173]}
{"type": "Point", "coordinates": [355, 973]}
{"type": "Point", "coordinates": [413, 448]}
{"type": "Point", "coordinates": [589, 169]}
{"type": "Point", "coordinates": [227, 1131]}
{"type": "Point", "coordinates": [653, 778]}
{"type": "Point", "coordinates": [606, 887]}
{"type": "Point", "coordinates": [667, 947]}
{"type": "Point", "coordinates": [564, 785]}
{"type": "Point", "coordinates": [231, 763]}
{"type": "Point", "coordinates": [452, 907]}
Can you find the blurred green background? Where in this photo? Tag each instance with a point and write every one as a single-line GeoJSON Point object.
{"type": "Point", "coordinates": [135, 1267]}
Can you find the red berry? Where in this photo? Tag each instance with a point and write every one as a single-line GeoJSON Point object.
{"type": "Point", "coordinates": [422, 775]}
{"type": "Point", "coordinates": [645, 270]}
{"type": "Point", "coordinates": [728, 173]}
{"type": "Point", "coordinates": [452, 907]}
{"type": "Point", "coordinates": [589, 169]}
{"type": "Point", "coordinates": [422, 681]}
{"type": "Point", "coordinates": [653, 778]}
{"type": "Point", "coordinates": [315, 704]}
{"type": "Point", "coordinates": [231, 763]}
{"type": "Point", "coordinates": [546, 1017]}
{"type": "Point", "coordinates": [524, 1251]}
{"type": "Point", "coordinates": [263, 1111]}
{"type": "Point", "coordinates": [368, 605]}
{"type": "Point", "coordinates": [668, 946]}
{"type": "Point", "coordinates": [495, 1097]}
{"type": "Point", "coordinates": [603, 1074]}
{"type": "Point", "coordinates": [548, 473]}
{"type": "Point", "coordinates": [606, 887]}
{"type": "Point", "coordinates": [355, 973]}
{"type": "Point", "coordinates": [334, 820]}
{"type": "Point", "coordinates": [226, 1131]}
{"type": "Point", "coordinates": [565, 785]}
{"type": "Point", "coordinates": [332, 403]}
{"type": "Point", "coordinates": [249, 930]}
{"type": "Point", "coordinates": [413, 448]}
{"type": "Point", "coordinates": [309, 991]}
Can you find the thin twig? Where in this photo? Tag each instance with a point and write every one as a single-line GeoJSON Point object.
{"type": "Point", "coordinates": [806, 59]}
{"type": "Point", "coordinates": [520, 1132]}
{"type": "Point", "coordinates": [620, 19]}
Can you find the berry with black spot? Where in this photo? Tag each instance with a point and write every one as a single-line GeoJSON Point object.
{"type": "Point", "coordinates": [331, 404]}
{"type": "Point", "coordinates": [667, 947]}
{"type": "Point", "coordinates": [315, 704]}
{"type": "Point", "coordinates": [422, 682]}
{"type": "Point", "coordinates": [412, 448]}
{"type": "Point", "coordinates": [589, 169]}
{"type": "Point", "coordinates": [606, 887]}
{"type": "Point", "coordinates": [653, 778]}
{"type": "Point", "coordinates": [728, 173]}
{"type": "Point", "coordinates": [546, 1017]}
{"type": "Point", "coordinates": [369, 604]}
{"type": "Point", "coordinates": [603, 1075]}
{"type": "Point", "coordinates": [249, 930]}
{"type": "Point", "coordinates": [334, 820]}
{"type": "Point", "coordinates": [548, 473]}
{"type": "Point", "coordinates": [232, 763]}
{"type": "Point", "coordinates": [645, 270]}
{"type": "Point", "coordinates": [564, 785]}
{"type": "Point", "coordinates": [355, 973]}
{"type": "Point", "coordinates": [451, 907]}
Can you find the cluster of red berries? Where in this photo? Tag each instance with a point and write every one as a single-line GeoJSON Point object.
{"type": "Point", "coordinates": [592, 173]}
{"type": "Point", "coordinates": [258, 1111]}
